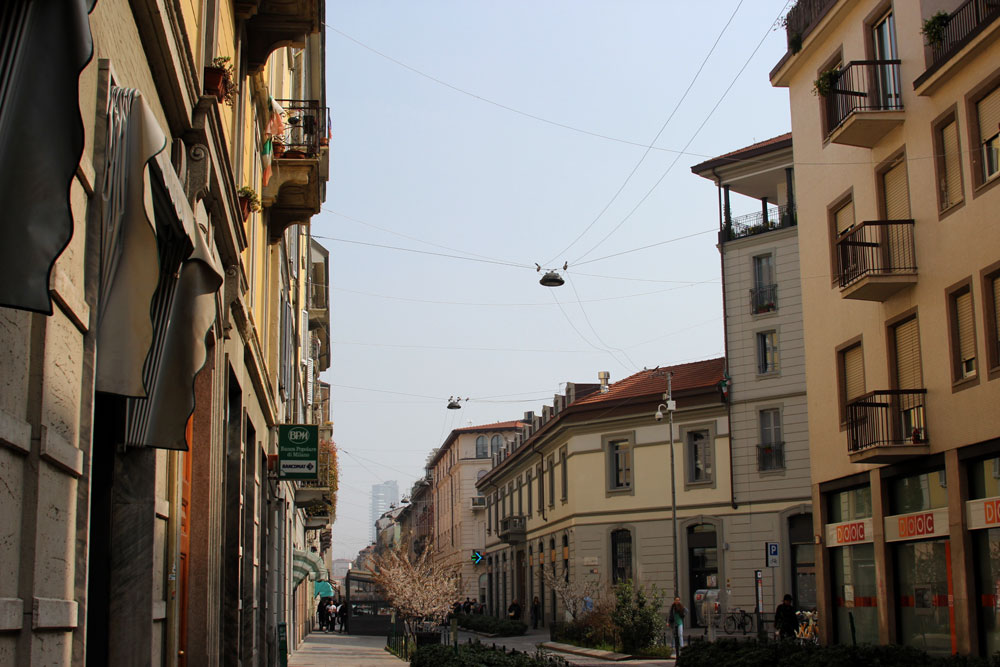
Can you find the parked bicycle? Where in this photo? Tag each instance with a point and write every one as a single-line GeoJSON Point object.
{"type": "Point", "coordinates": [738, 619]}
{"type": "Point", "coordinates": [808, 631]}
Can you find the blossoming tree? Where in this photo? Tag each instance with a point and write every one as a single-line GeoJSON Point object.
{"type": "Point", "coordinates": [571, 593]}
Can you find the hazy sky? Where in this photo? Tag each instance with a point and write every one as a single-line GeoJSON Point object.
{"type": "Point", "coordinates": [501, 132]}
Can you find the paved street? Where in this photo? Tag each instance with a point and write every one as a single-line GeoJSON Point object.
{"type": "Point", "coordinates": [323, 649]}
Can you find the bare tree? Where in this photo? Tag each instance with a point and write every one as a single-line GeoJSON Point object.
{"type": "Point", "coordinates": [418, 588]}
{"type": "Point", "coordinates": [571, 593]}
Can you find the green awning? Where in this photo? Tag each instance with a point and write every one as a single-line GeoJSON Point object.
{"type": "Point", "coordinates": [305, 563]}
{"type": "Point", "coordinates": [322, 589]}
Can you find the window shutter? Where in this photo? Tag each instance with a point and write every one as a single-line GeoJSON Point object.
{"type": "Point", "coordinates": [989, 115]}
{"type": "Point", "coordinates": [854, 373]}
{"type": "Point", "coordinates": [952, 180]}
{"type": "Point", "coordinates": [966, 332]}
{"type": "Point", "coordinates": [996, 313]}
{"type": "Point", "coordinates": [908, 371]}
{"type": "Point", "coordinates": [845, 216]}
{"type": "Point", "coordinates": [897, 196]}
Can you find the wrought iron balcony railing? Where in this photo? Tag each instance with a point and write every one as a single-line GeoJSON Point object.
{"type": "Point", "coordinates": [763, 299]}
{"type": "Point", "coordinates": [863, 85]}
{"type": "Point", "coordinates": [512, 529]}
{"type": "Point", "coordinates": [963, 24]}
{"type": "Point", "coordinates": [771, 456]}
{"type": "Point", "coordinates": [875, 247]}
{"type": "Point", "coordinates": [752, 224]}
{"type": "Point", "coordinates": [307, 129]}
{"type": "Point", "coordinates": [889, 418]}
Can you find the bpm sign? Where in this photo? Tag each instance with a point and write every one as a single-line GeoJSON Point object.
{"type": "Point", "coordinates": [916, 525]}
{"type": "Point", "coordinates": [849, 532]}
{"type": "Point", "coordinates": [298, 451]}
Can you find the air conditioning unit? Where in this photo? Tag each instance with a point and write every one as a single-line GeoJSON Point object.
{"type": "Point", "coordinates": [478, 502]}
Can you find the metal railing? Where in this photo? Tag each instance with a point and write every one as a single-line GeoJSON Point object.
{"type": "Point", "coordinates": [763, 299]}
{"type": "Point", "coordinates": [887, 418]}
{"type": "Point", "coordinates": [963, 23]}
{"type": "Point", "coordinates": [863, 85]}
{"type": "Point", "coordinates": [306, 129]}
{"type": "Point", "coordinates": [875, 247]}
{"type": "Point", "coordinates": [512, 528]}
{"type": "Point", "coordinates": [752, 224]}
{"type": "Point", "coordinates": [771, 456]}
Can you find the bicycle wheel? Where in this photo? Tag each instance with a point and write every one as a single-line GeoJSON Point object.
{"type": "Point", "coordinates": [746, 624]}
{"type": "Point", "coordinates": [730, 625]}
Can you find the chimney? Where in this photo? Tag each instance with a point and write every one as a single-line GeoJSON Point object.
{"type": "Point", "coordinates": [570, 392]}
{"type": "Point", "coordinates": [604, 377]}
{"type": "Point", "coordinates": [528, 416]}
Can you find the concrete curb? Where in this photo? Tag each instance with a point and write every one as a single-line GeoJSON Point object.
{"type": "Point", "coordinates": [585, 652]}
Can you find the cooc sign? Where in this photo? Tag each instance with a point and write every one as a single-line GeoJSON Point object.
{"type": "Point", "coordinates": [916, 525]}
{"type": "Point", "coordinates": [849, 532]}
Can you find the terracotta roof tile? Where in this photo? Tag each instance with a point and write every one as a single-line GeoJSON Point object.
{"type": "Point", "coordinates": [490, 427]}
{"type": "Point", "coordinates": [744, 153]}
{"type": "Point", "coordinates": [694, 375]}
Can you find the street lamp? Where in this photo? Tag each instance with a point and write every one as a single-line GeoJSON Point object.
{"type": "Point", "coordinates": [669, 407]}
{"type": "Point", "coordinates": [551, 277]}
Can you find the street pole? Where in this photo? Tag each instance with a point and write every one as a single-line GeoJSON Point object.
{"type": "Point", "coordinates": [673, 479]}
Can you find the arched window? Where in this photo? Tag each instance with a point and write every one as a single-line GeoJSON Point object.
{"type": "Point", "coordinates": [481, 452]}
{"type": "Point", "coordinates": [621, 555]}
{"type": "Point", "coordinates": [495, 445]}
{"type": "Point", "coordinates": [479, 476]}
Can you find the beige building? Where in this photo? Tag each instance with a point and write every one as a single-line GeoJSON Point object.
{"type": "Point", "coordinates": [458, 527]}
{"type": "Point", "coordinates": [896, 168]}
{"type": "Point", "coordinates": [155, 329]}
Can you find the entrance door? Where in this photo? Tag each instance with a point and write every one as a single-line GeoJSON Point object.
{"type": "Point", "coordinates": [800, 535]}
{"type": "Point", "coordinates": [703, 565]}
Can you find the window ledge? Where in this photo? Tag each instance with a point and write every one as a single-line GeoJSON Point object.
{"type": "Point", "coordinates": [979, 189]}
{"type": "Point", "coordinates": [945, 212]}
{"type": "Point", "coordinates": [964, 383]}
{"type": "Point", "coordinates": [765, 314]}
{"type": "Point", "coordinates": [627, 491]}
{"type": "Point", "coordinates": [773, 472]}
{"type": "Point", "coordinates": [994, 373]}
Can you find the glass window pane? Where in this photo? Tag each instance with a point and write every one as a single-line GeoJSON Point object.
{"type": "Point", "coordinates": [852, 571]}
{"type": "Point", "coordinates": [922, 595]}
{"type": "Point", "coordinates": [986, 550]}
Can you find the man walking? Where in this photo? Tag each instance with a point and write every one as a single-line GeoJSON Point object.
{"type": "Point", "coordinates": [785, 619]}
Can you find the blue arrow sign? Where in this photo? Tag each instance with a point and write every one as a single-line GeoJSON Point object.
{"type": "Point", "coordinates": [476, 557]}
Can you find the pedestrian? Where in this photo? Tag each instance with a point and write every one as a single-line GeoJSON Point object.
{"type": "Point", "coordinates": [536, 612]}
{"type": "Point", "coordinates": [785, 619]}
{"type": "Point", "coordinates": [514, 611]}
{"type": "Point", "coordinates": [331, 613]}
{"type": "Point", "coordinates": [676, 621]}
{"type": "Point", "coordinates": [324, 617]}
{"type": "Point", "coordinates": [467, 606]}
{"type": "Point", "coordinates": [342, 616]}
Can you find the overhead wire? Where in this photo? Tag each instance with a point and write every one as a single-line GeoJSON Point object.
{"type": "Point", "coordinates": [578, 332]}
{"type": "Point", "coordinates": [594, 331]}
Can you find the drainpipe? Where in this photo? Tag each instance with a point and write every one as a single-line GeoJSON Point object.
{"type": "Point", "coordinates": [724, 228]}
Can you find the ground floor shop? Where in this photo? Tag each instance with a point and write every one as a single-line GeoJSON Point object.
{"type": "Point", "coordinates": [910, 553]}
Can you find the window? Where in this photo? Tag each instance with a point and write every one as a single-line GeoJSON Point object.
{"type": "Point", "coordinates": [988, 119]}
{"type": "Point", "coordinates": [895, 192]}
{"type": "Point", "coordinates": [845, 259]}
{"type": "Point", "coordinates": [764, 293]}
{"type": "Point", "coordinates": [563, 473]}
{"type": "Point", "coordinates": [949, 163]}
{"type": "Point", "coordinates": [962, 333]}
{"type": "Point", "coordinates": [771, 448]}
{"type": "Point", "coordinates": [851, 372]}
{"type": "Point", "coordinates": [991, 301]}
{"type": "Point", "coordinates": [619, 452]}
{"type": "Point", "coordinates": [906, 347]}
{"type": "Point", "coordinates": [552, 480]}
{"type": "Point", "coordinates": [884, 49]}
{"type": "Point", "coordinates": [621, 555]}
{"type": "Point", "coordinates": [699, 451]}
{"type": "Point", "coordinates": [539, 473]}
{"type": "Point", "coordinates": [481, 451]}
{"type": "Point", "coordinates": [767, 352]}
{"type": "Point", "coordinates": [496, 444]}
{"type": "Point", "coordinates": [520, 496]}
{"type": "Point", "coordinates": [527, 483]}
{"type": "Point", "coordinates": [510, 498]}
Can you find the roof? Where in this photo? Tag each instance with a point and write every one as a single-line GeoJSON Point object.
{"type": "Point", "coordinates": [482, 428]}
{"type": "Point", "coordinates": [497, 426]}
{"type": "Point", "coordinates": [768, 145]}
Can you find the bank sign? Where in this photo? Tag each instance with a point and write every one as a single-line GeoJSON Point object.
{"type": "Point", "coordinates": [298, 451]}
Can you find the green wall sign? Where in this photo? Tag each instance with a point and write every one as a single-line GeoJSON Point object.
{"type": "Point", "coordinates": [298, 451]}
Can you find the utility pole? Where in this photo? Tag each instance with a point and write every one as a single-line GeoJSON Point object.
{"type": "Point", "coordinates": [671, 406]}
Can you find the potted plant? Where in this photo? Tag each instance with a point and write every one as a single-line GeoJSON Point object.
{"type": "Point", "coordinates": [933, 29]}
{"type": "Point", "coordinates": [823, 85]}
{"type": "Point", "coordinates": [220, 80]}
{"type": "Point", "coordinates": [249, 201]}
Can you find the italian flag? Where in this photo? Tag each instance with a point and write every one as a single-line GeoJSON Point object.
{"type": "Point", "coordinates": [266, 153]}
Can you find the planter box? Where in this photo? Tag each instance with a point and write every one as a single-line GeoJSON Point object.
{"type": "Point", "coordinates": [215, 82]}
{"type": "Point", "coordinates": [245, 208]}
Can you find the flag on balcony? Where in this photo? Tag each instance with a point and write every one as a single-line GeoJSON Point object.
{"type": "Point", "coordinates": [275, 124]}
{"type": "Point", "coordinates": [266, 153]}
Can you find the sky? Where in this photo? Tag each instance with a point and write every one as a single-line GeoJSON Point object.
{"type": "Point", "coordinates": [473, 140]}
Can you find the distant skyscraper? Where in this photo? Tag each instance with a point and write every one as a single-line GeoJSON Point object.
{"type": "Point", "coordinates": [383, 495]}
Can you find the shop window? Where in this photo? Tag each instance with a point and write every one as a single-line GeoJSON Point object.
{"type": "Point", "coordinates": [984, 478]}
{"type": "Point", "coordinates": [850, 504]}
{"type": "Point", "coordinates": [917, 492]}
{"type": "Point", "coordinates": [986, 556]}
{"type": "Point", "coordinates": [962, 332]}
{"type": "Point", "coordinates": [854, 590]}
{"type": "Point", "coordinates": [621, 555]}
{"type": "Point", "coordinates": [922, 593]}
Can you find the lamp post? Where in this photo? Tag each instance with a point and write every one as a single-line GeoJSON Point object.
{"type": "Point", "coordinates": [670, 406]}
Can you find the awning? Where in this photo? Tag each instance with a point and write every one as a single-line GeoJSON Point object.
{"type": "Point", "coordinates": [43, 48]}
{"type": "Point", "coordinates": [322, 589]}
{"type": "Point", "coordinates": [305, 563]}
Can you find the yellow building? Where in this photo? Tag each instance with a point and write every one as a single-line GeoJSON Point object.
{"type": "Point", "coordinates": [896, 124]}
{"type": "Point", "coordinates": [156, 329]}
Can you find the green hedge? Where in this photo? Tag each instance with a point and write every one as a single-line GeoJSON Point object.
{"type": "Point", "coordinates": [491, 625]}
{"type": "Point", "coordinates": [734, 653]}
{"type": "Point", "coordinates": [478, 655]}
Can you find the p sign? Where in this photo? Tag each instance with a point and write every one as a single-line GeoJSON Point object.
{"type": "Point", "coordinates": [772, 554]}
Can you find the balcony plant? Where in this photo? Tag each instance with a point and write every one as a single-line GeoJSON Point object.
{"type": "Point", "coordinates": [249, 201]}
{"type": "Point", "coordinates": [220, 80]}
{"type": "Point", "coordinates": [823, 85]}
{"type": "Point", "coordinates": [933, 29]}
{"type": "Point", "coordinates": [766, 307]}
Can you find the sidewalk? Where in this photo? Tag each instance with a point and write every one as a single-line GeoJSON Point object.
{"type": "Point", "coordinates": [529, 642]}
{"type": "Point", "coordinates": [322, 649]}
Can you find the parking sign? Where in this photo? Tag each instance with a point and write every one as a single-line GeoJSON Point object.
{"type": "Point", "coordinates": [772, 554]}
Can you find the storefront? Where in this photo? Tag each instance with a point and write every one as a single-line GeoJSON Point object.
{"type": "Point", "coordinates": [849, 538]}
{"type": "Point", "coordinates": [983, 517]}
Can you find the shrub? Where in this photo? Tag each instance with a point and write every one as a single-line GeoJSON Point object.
{"type": "Point", "coordinates": [637, 616]}
{"type": "Point", "coordinates": [479, 655]}
{"type": "Point", "coordinates": [491, 625]}
{"type": "Point", "coordinates": [595, 629]}
{"type": "Point", "coordinates": [790, 654]}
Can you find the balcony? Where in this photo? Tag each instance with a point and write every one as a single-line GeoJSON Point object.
{"type": "Point", "coordinates": [512, 529]}
{"type": "Point", "coordinates": [778, 217]}
{"type": "Point", "coordinates": [887, 426]}
{"type": "Point", "coordinates": [802, 18]}
{"type": "Point", "coordinates": [300, 166]}
{"type": "Point", "coordinates": [771, 456]}
{"type": "Point", "coordinates": [271, 24]}
{"type": "Point", "coordinates": [313, 495]}
{"type": "Point", "coordinates": [968, 29]}
{"type": "Point", "coordinates": [864, 103]}
{"type": "Point", "coordinates": [764, 299]}
{"type": "Point", "coordinates": [478, 502]}
{"type": "Point", "coordinates": [876, 259]}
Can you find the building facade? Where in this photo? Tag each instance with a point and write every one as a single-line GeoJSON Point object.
{"type": "Point", "coordinates": [766, 366]}
{"type": "Point", "coordinates": [156, 328]}
{"type": "Point", "coordinates": [384, 496]}
{"type": "Point", "coordinates": [896, 152]}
